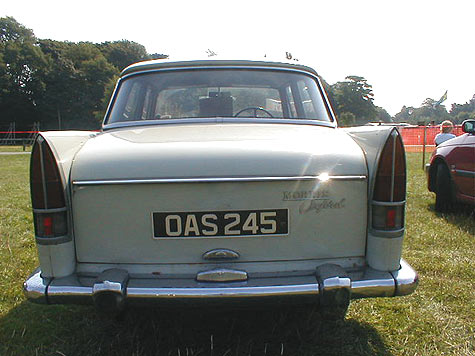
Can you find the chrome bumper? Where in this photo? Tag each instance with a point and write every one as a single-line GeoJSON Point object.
{"type": "Point", "coordinates": [303, 289]}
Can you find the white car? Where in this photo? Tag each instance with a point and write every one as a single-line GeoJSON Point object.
{"type": "Point", "coordinates": [219, 181]}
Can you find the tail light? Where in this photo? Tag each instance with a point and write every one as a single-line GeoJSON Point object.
{"type": "Point", "coordinates": [389, 195]}
{"type": "Point", "coordinates": [47, 193]}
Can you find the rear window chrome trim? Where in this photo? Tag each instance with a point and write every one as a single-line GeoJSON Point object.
{"type": "Point", "coordinates": [215, 180]}
{"type": "Point", "coordinates": [219, 67]}
{"type": "Point", "coordinates": [217, 120]}
{"type": "Point", "coordinates": [303, 71]}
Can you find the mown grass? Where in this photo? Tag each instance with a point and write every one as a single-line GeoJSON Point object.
{"type": "Point", "coordinates": [15, 148]}
{"type": "Point", "coordinates": [437, 320]}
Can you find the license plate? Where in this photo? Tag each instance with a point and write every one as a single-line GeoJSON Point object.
{"type": "Point", "coordinates": [221, 223]}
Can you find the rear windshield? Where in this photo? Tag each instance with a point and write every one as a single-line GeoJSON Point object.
{"type": "Point", "coordinates": [218, 93]}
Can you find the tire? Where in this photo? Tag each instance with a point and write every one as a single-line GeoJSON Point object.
{"type": "Point", "coordinates": [444, 191]}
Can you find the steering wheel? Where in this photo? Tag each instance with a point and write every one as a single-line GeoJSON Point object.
{"type": "Point", "coordinates": [255, 109]}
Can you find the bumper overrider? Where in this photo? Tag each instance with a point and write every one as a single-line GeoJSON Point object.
{"type": "Point", "coordinates": [114, 288]}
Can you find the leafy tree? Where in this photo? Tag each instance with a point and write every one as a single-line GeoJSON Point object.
{"type": "Point", "coordinates": [61, 84]}
{"type": "Point", "coordinates": [405, 115]}
{"type": "Point", "coordinates": [123, 53]}
{"type": "Point", "coordinates": [429, 111]}
{"type": "Point", "coordinates": [467, 107]}
{"type": "Point", "coordinates": [11, 30]}
{"type": "Point", "coordinates": [461, 112]}
{"type": "Point", "coordinates": [462, 116]}
{"type": "Point", "coordinates": [108, 91]}
{"type": "Point", "coordinates": [354, 95]}
{"type": "Point", "coordinates": [22, 68]}
{"type": "Point", "coordinates": [78, 76]}
{"type": "Point", "coordinates": [383, 115]}
{"type": "Point", "coordinates": [158, 56]}
{"type": "Point", "coordinates": [346, 119]}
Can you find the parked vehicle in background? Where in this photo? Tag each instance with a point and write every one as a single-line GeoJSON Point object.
{"type": "Point", "coordinates": [219, 181]}
{"type": "Point", "coordinates": [451, 171]}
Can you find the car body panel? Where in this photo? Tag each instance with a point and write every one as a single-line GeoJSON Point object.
{"type": "Point", "coordinates": [278, 166]}
{"type": "Point", "coordinates": [209, 150]}
{"type": "Point", "coordinates": [458, 155]}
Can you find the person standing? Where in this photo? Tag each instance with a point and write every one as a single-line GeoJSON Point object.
{"type": "Point", "coordinates": [445, 134]}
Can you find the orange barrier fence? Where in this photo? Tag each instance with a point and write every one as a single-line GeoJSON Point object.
{"type": "Point", "coordinates": [413, 137]}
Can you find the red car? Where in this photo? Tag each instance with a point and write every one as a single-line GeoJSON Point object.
{"type": "Point", "coordinates": [451, 172]}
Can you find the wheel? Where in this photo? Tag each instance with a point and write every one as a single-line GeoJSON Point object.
{"type": "Point", "coordinates": [255, 109]}
{"type": "Point", "coordinates": [444, 191]}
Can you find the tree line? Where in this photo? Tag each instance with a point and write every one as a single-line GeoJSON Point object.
{"type": "Point", "coordinates": [59, 84]}
{"type": "Point", "coordinates": [67, 85]}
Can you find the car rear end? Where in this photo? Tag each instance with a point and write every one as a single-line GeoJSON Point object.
{"type": "Point", "coordinates": [219, 211]}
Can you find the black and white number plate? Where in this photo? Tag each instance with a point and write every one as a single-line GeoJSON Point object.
{"type": "Point", "coordinates": [221, 223]}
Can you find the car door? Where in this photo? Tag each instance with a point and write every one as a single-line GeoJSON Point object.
{"type": "Point", "coordinates": [462, 163]}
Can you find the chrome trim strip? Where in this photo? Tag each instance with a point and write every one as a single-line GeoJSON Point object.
{"type": "Point", "coordinates": [41, 141]}
{"type": "Point", "coordinates": [387, 233]}
{"type": "Point", "coordinates": [406, 279]}
{"type": "Point", "coordinates": [221, 275]}
{"type": "Point", "coordinates": [372, 285]}
{"type": "Point", "coordinates": [212, 180]}
{"type": "Point", "coordinates": [283, 67]}
{"type": "Point", "coordinates": [462, 173]}
{"type": "Point", "coordinates": [34, 288]}
{"type": "Point", "coordinates": [52, 240]}
{"type": "Point", "coordinates": [365, 283]}
{"type": "Point", "coordinates": [388, 203]}
{"type": "Point", "coordinates": [56, 210]}
{"type": "Point", "coordinates": [220, 254]}
{"type": "Point", "coordinates": [393, 164]}
{"type": "Point", "coordinates": [226, 292]}
{"type": "Point", "coordinates": [216, 120]}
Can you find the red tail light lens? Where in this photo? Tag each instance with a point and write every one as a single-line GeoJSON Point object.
{"type": "Point", "coordinates": [47, 192]}
{"type": "Point", "coordinates": [390, 182]}
{"type": "Point", "coordinates": [391, 218]}
{"type": "Point", "coordinates": [51, 224]}
{"type": "Point", "coordinates": [390, 186]}
{"type": "Point", "coordinates": [47, 225]}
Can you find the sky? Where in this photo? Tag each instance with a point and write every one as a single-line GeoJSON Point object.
{"type": "Point", "coordinates": [408, 50]}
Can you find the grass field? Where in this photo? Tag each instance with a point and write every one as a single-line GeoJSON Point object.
{"type": "Point", "coordinates": [15, 149]}
{"type": "Point", "coordinates": [437, 320]}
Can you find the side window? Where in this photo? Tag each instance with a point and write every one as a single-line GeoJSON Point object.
{"type": "Point", "coordinates": [291, 102]}
{"type": "Point", "coordinates": [307, 103]}
{"type": "Point", "coordinates": [146, 105]}
{"type": "Point", "coordinates": [137, 102]}
{"type": "Point", "coordinates": [132, 102]}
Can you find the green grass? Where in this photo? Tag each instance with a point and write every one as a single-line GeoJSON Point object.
{"type": "Point", "coordinates": [15, 149]}
{"type": "Point", "coordinates": [436, 320]}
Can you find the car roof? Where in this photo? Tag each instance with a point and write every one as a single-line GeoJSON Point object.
{"type": "Point", "coordinates": [214, 61]}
